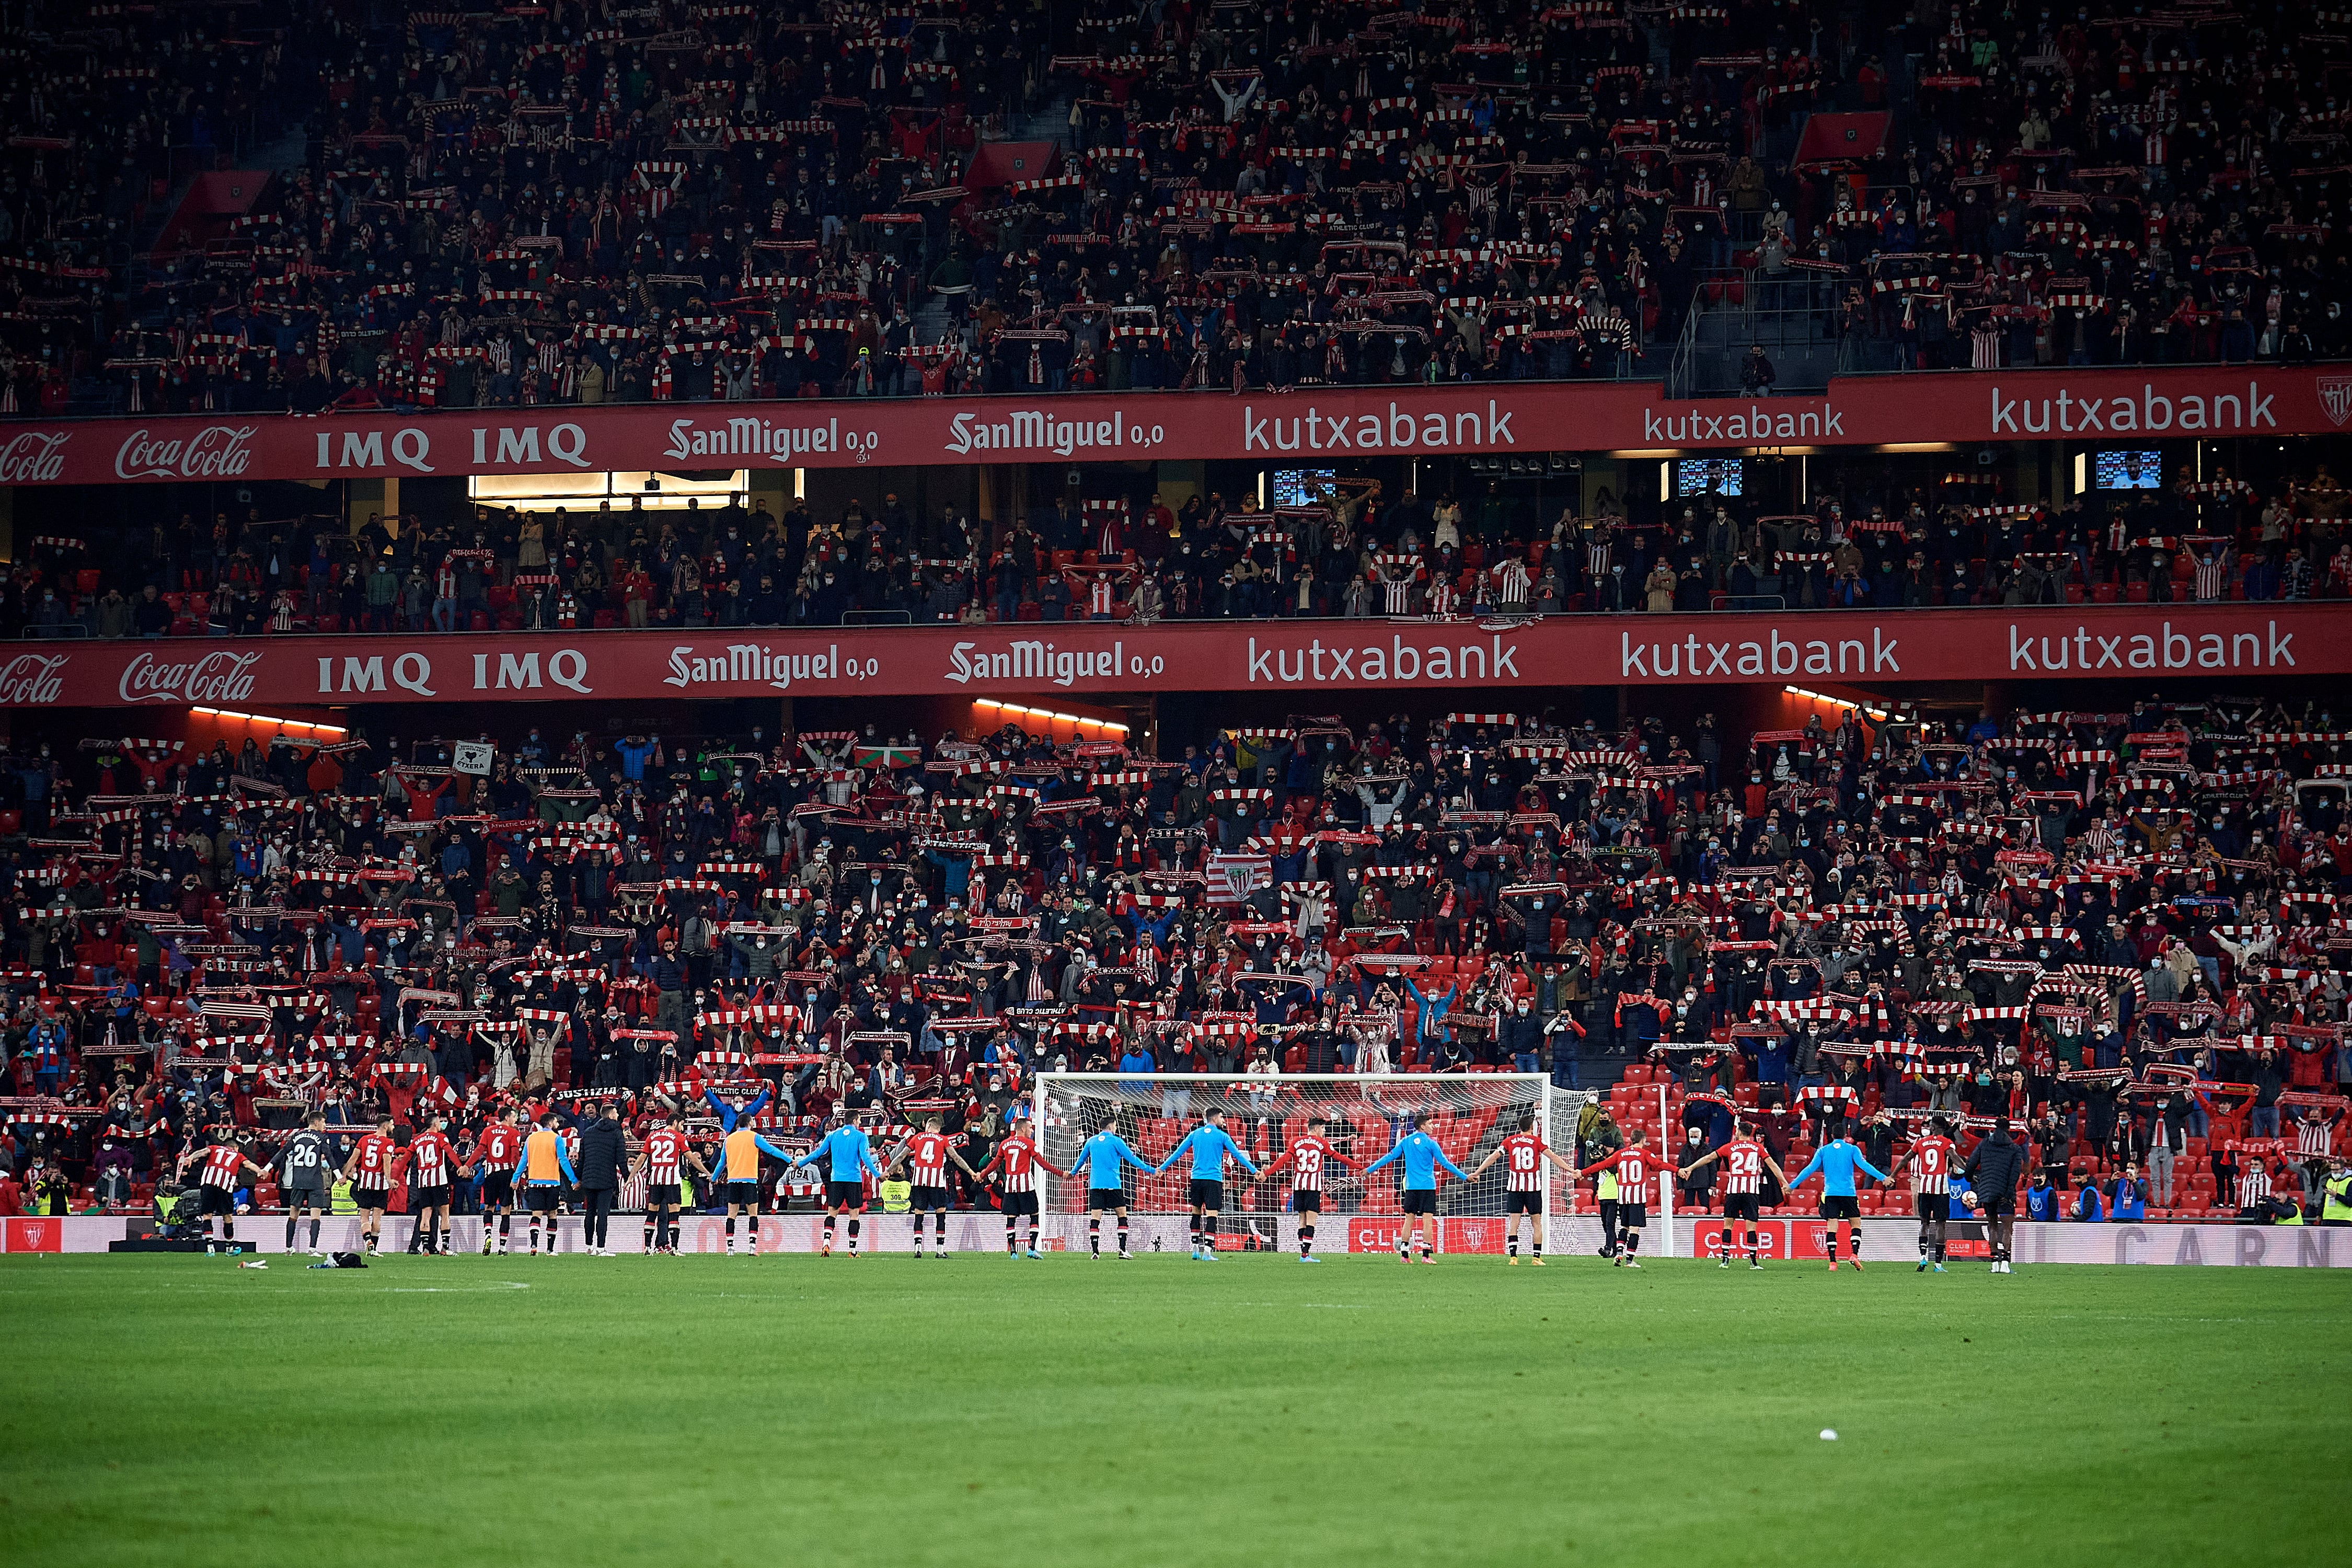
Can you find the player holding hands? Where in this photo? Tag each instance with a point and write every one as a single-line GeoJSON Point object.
{"type": "Point", "coordinates": [1211, 1146]}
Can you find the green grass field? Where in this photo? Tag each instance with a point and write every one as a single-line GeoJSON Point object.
{"type": "Point", "coordinates": [177, 1410]}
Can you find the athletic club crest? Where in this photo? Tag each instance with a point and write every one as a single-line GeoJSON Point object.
{"type": "Point", "coordinates": [2335, 398]}
{"type": "Point", "coordinates": [1232, 878]}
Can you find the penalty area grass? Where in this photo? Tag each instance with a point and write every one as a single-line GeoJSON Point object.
{"type": "Point", "coordinates": [179, 1412]}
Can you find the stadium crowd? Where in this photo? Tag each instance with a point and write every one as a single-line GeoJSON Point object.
{"type": "Point", "coordinates": [1877, 542]}
{"type": "Point", "coordinates": [2120, 931]}
{"type": "Point", "coordinates": [595, 201]}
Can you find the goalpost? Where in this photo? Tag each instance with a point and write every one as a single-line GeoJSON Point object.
{"type": "Point", "coordinates": [1467, 1113]}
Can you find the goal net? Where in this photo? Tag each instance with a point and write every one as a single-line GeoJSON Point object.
{"type": "Point", "coordinates": [1469, 1114]}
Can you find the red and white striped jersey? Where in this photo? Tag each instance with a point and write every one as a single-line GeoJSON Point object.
{"type": "Point", "coordinates": [429, 1159]}
{"type": "Point", "coordinates": [1635, 1168]}
{"type": "Point", "coordinates": [1015, 1160]}
{"type": "Point", "coordinates": [1742, 1161]}
{"type": "Point", "coordinates": [1307, 1157]}
{"type": "Point", "coordinates": [664, 1152]}
{"type": "Point", "coordinates": [1523, 1157]}
{"type": "Point", "coordinates": [1931, 1167]}
{"type": "Point", "coordinates": [1101, 597]}
{"type": "Point", "coordinates": [2315, 1138]}
{"type": "Point", "coordinates": [927, 1159]}
{"type": "Point", "coordinates": [2253, 1186]}
{"type": "Point", "coordinates": [497, 1149]}
{"type": "Point", "coordinates": [222, 1164]}
{"type": "Point", "coordinates": [372, 1160]}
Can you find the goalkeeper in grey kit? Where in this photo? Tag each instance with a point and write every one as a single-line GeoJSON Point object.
{"type": "Point", "coordinates": [305, 1172]}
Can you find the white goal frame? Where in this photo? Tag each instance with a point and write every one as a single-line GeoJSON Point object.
{"type": "Point", "coordinates": [1548, 1101]}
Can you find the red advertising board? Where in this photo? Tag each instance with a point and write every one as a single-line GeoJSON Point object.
{"type": "Point", "coordinates": [1319, 425]}
{"type": "Point", "coordinates": [1809, 1238]}
{"type": "Point", "coordinates": [32, 1234]}
{"type": "Point", "coordinates": [1458, 1232]}
{"type": "Point", "coordinates": [1482, 1233]}
{"type": "Point", "coordinates": [1874, 649]}
{"type": "Point", "coordinates": [1774, 1237]}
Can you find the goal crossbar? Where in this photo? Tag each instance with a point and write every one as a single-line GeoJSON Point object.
{"type": "Point", "coordinates": [1469, 1114]}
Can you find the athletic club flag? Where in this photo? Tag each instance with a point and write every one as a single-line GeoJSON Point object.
{"type": "Point", "coordinates": [1232, 878]}
{"type": "Point", "coordinates": [885, 756]}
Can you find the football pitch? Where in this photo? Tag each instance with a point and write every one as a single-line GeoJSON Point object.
{"type": "Point", "coordinates": [182, 1411]}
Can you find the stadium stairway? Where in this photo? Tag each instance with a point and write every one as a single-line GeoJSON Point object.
{"type": "Point", "coordinates": [1601, 1074]}
{"type": "Point", "coordinates": [1050, 124]}
{"type": "Point", "coordinates": [1794, 318]}
{"type": "Point", "coordinates": [931, 323]}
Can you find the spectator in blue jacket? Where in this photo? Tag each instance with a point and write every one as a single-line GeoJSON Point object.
{"type": "Point", "coordinates": [634, 754]}
{"type": "Point", "coordinates": [1430, 1025]}
{"type": "Point", "coordinates": [1136, 1058]}
{"type": "Point", "coordinates": [1521, 1036]}
{"type": "Point", "coordinates": [955, 872]}
{"type": "Point", "coordinates": [2127, 1195]}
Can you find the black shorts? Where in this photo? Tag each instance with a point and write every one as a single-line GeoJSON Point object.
{"type": "Point", "coordinates": [1523, 1203]}
{"type": "Point", "coordinates": [1835, 1208]}
{"type": "Point", "coordinates": [498, 1192]}
{"type": "Point", "coordinates": [433, 1197]}
{"type": "Point", "coordinates": [1021, 1202]}
{"type": "Point", "coordinates": [1421, 1200]}
{"type": "Point", "coordinates": [844, 1194]}
{"type": "Point", "coordinates": [215, 1200]}
{"type": "Point", "coordinates": [1932, 1206]}
{"type": "Point", "coordinates": [542, 1199]}
{"type": "Point", "coordinates": [663, 1197]}
{"type": "Point", "coordinates": [928, 1199]}
{"type": "Point", "coordinates": [1209, 1196]}
{"type": "Point", "coordinates": [1101, 1198]}
{"type": "Point", "coordinates": [743, 1195]}
{"type": "Point", "coordinates": [376, 1198]}
{"type": "Point", "coordinates": [2000, 1207]}
{"type": "Point", "coordinates": [1306, 1200]}
{"type": "Point", "coordinates": [308, 1198]}
{"type": "Point", "coordinates": [1741, 1205]}
{"type": "Point", "coordinates": [1632, 1217]}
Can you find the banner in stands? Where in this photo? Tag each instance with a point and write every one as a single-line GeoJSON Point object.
{"type": "Point", "coordinates": [1871, 648]}
{"type": "Point", "coordinates": [1322, 425]}
{"type": "Point", "coordinates": [1885, 1241]}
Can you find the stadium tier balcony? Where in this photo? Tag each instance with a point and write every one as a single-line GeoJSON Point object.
{"type": "Point", "coordinates": [1866, 537]}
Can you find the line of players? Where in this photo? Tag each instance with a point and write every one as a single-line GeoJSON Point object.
{"type": "Point", "coordinates": [536, 1164]}
{"type": "Point", "coordinates": [1840, 1163]}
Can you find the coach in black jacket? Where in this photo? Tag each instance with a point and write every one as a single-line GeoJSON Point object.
{"type": "Point", "coordinates": [604, 1154]}
{"type": "Point", "coordinates": [1994, 1169]}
